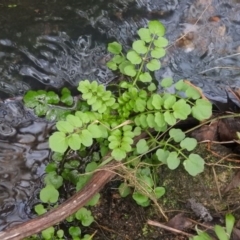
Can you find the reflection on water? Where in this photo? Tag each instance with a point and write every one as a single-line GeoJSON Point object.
{"type": "Point", "coordinates": [49, 44]}
{"type": "Point", "coordinates": [22, 162]}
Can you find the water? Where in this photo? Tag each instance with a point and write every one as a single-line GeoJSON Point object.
{"type": "Point", "coordinates": [51, 44]}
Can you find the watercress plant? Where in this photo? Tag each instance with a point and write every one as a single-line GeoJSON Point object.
{"type": "Point", "coordinates": [134, 124]}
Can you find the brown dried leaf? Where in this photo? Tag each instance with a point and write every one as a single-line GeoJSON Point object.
{"type": "Point", "coordinates": [235, 182]}
{"type": "Point", "coordinates": [179, 222]}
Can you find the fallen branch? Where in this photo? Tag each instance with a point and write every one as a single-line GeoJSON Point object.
{"type": "Point", "coordinates": [56, 215]}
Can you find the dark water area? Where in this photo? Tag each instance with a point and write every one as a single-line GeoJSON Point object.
{"type": "Point", "coordinates": [50, 44]}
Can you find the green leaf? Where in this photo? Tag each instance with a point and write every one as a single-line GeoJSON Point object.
{"type": "Point", "coordinates": [112, 65]}
{"type": "Point", "coordinates": [142, 146]}
{"type": "Point", "coordinates": [84, 86]}
{"type": "Point", "coordinates": [181, 85]}
{"type": "Point", "coordinates": [92, 166]}
{"type": "Point", "coordinates": [134, 57]}
{"type": "Point", "coordinates": [48, 233]}
{"type": "Point", "coordinates": [145, 34]}
{"type": "Point", "coordinates": [74, 231]}
{"type": "Point", "coordinates": [157, 101]}
{"type": "Point", "coordinates": [54, 179]}
{"type": "Point", "coordinates": [64, 127]}
{"type": "Point", "coordinates": [160, 120]}
{"type": "Point", "coordinates": [49, 194]}
{"type": "Point", "coordinates": [118, 154]}
{"type": "Point", "coordinates": [169, 101]}
{"type": "Point", "coordinates": [220, 232]}
{"type": "Point", "coordinates": [118, 59]}
{"type": "Point", "coordinates": [130, 70]}
{"type": "Point", "coordinates": [140, 105]}
{"type": "Point", "coordinates": [158, 52]}
{"type": "Point", "coordinates": [192, 93]}
{"type": "Point", "coordinates": [181, 109]}
{"type": "Point", "coordinates": [124, 190]}
{"type": "Point", "coordinates": [167, 82]}
{"type": "Point", "coordinates": [169, 118]}
{"type": "Point", "coordinates": [86, 138]}
{"type": "Point", "coordinates": [139, 47]}
{"type": "Point", "coordinates": [58, 142]}
{"type": "Point", "coordinates": [74, 141]}
{"type": "Point", "coordinates": [202, 109]}
{"type": "Point", "coordinates": [94, 200]}
{"type": "Point", "coordinates": [156, 28]}
{"type": "Point", "coordinates": [52, 98]}
{"type": "Point", "coordinates": [194, 164]}
{"type": "Point", "coordinates": [162, 155]}
{"type": "Point", "coordinates": [159, 192]}
{"type": "Point", "coordinates": [177, 134]}
{"type": "Point", "coordinates": [115, 48]}
{"type": "Point", "coordinates": [39, 209]}
{"type": "Point", "coordinates": [145, 77]}
{"type": "Point", "coordinates": [160, 42]}
{"type": "Point", "coordinates": [95, 130]}
{"type": "Point", "coordinates": [74, 121]}
{"type": "Point", "coordinates": [153, 65]}
{"type": "Point", "coordinates": [151, 120]}
{"type": "Point", "coordinates": [60, 233]}
{"type": "Point", "coordinates": [152, 87]}
{"type": "Point", "coordinates": [230, 220]}
{"type": "Point", "coordinates": [188, 143]}
{"type": "Point", "coordinates": [173, 161]}
{"type": "Point", "coordinates": [84, 216]}
{"type": "Point", "coordinates": [139, 198]}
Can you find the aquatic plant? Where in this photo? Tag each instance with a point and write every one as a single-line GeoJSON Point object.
{"type": "Point", "coordinates": [132, 122]}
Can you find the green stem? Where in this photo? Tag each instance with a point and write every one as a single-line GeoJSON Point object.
{"type": "Point", "coordinates": [143, 61]}
{"type": "Point", "coordinates": [177, 150]}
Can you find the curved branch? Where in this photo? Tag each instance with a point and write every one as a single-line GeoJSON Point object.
{"type": "Point", "coordinates": [56, 215]}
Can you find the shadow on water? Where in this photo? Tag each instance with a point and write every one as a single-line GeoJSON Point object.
{"type": "Point", "coordinates": [50, 44]}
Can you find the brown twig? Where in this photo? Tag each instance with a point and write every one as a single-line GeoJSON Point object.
{"type": "Point", "coordinates": [56, 215]}
{"type": "Point", "coordinates": [157, 224]}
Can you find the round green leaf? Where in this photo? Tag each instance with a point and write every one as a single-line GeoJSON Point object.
{"type": "Point", "coordinates": [49, 194]}
{"type": "Point", "coordinates": [159, 191]}
{"type": "Point", "coordinates": [74, 231]}
{"type": "Point", "coordinates": [157, 101]}
{"type": "Point", "coordinates": [193, 93]}
{"type": "Point", "coordinates": [177, 134]}
{"type": "Point", "coordinates": [167, 82]}
{"type": "Point", "coordinates": [64, 127]}
{"type": "Point", "coordinates": [124, 190]}
{"type": "Point", "coordinates": [118, 154]}
{"type": "Point", "coordinates": [118, 59]}
{"type": "Point", "coordinates": [145, 77]}
{"type": "Point", "coordinates": [145, 34]}
{"type": "Point", "coordinates": [181, 109]}
{"type": "Point", "coordinates": [159, 119]}
{"type": "Point", "coordinates": [39, 209]}
{"type": "Point", "coordinates": [139, 47]}
{"type": "Point", "coordinates": [169, 101]}
{"type": "Point", "coordinates": [74, 121]}
{"type": "Point", "coordinates": [134, 57]}
{"type": "Point", "coordinates": [142, 146]}
{"type": "Point", "coordinates": [115, 48]}
{"type": "Point", "coordinates": [173, 161]}
{"type": "Point", "coordinates": [156, 28]}
{"type": "Point", "coordinates": [74, 141]}
{"type": "Point", "coordinates": [158, 52]}
{"type": "Point", "coordinates": [54, 179]}
{"type": "Point", "coordinates": [160, 42]}
{"type": "Point", "coordinates": [48, 233]}
{"type": "Point", "coordinates": [162, 155]}
{"type": "Point", "coordinates": [153, 65]}
{"type": "Point", "coordinates": [112, 65]}
{"type": "Point", "coordinates": [194, 164]}
{"type": "Point", "coordinates": [58, 142]}
{"type": "Point", "coordinates": [95, 130]}
{"type": "Point", "coordinates": [202, 109]}
{"type": "Point", "coordinates": [188, 143]}
{"type": "Point", "coordinates": [86, 138]}
{"type": "Point", "coordinates": [94, 200]}
{"type": "Point", "coordinates": [169, 118]}
{"type": "Point", "coordinates": [84, 216]}
{"type": "Point", "coordinates": [139, 198]}
{"type": "Point", "coordinates": [130, 70]}
{"type": "Point", "coordinates": [152, 87]}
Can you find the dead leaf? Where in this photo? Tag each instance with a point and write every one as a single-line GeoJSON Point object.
{"type": "Point", "coordinates": [235, 182]}
{"type": "Point", "coordinates": [179, 222]}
